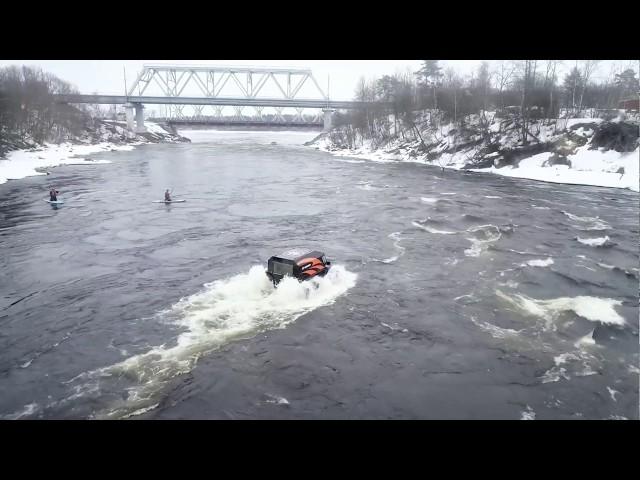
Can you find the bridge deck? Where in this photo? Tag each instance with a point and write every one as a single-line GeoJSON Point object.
{"type": "Point", "coordinates": [245, 122]}
{"type": "Point", "coordinates": [222, 101]}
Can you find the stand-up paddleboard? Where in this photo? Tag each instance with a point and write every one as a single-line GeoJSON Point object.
{"type": "Point", "coordinates": [172, 201]}
{"type": "Point", "coordinates": [57, 202]}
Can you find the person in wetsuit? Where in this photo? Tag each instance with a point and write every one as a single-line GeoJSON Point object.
{"type": "Point", "coordinates": [167, 196]}
{"type": "Point", "coordinates": [53, 195]}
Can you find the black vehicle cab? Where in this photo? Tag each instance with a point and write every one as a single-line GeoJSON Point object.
{"type": "Point", "coordinates": [299, 263]}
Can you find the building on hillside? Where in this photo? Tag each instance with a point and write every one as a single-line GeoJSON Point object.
{"type": "Point", "coordinates": [630, 104]}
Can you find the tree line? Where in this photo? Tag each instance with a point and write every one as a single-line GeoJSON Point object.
{"type": "Point", "coordinates": [28, 109]}
{"type": "Point", "coordinates": [527, 91]}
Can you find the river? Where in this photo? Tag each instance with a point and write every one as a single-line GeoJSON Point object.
{"type": "Point", "coordinates": [451, 296]}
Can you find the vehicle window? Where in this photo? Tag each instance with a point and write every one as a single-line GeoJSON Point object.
{"type": "Point", "coordinates": [282, 268]}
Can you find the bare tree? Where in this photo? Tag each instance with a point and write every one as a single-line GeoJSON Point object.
{"type": "Point", "coordinates": [503, 74]}
{"type": "Point", "coordinates": [550, 80]}
{"type": "Point", "coordinates": [484, 83]}
{"type": "Point", "coordinates": [527, 69]}
{"type": "Point", "coordinates": [588, 67]}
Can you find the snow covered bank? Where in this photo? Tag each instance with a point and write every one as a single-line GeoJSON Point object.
{"type": "Point", "coordinates": [588, 167]}
{"type": "Point", "coordinates": [569, 151]}
{"type": "Point", "coordinates": [111, 136]}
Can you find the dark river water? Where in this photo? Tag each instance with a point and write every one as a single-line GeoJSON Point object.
{"type": "Point", "coordinates": [452, 295]}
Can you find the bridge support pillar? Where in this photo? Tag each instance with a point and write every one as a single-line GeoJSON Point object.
{"type": "Point", "coordinates": [128, 110]}
{"type": "Point", "coordinates": [327, 119]}
{"type": "Point", "coordinates": [135, 124]}
{"type": "Point", "coordinates": [140, 128]}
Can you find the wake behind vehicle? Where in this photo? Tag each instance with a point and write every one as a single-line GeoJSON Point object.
{"type": "Point", "coordinates": [299, 263]}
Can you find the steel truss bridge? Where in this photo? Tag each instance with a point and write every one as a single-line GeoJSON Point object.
{"type": "Point", "coordinates": [214, 84]}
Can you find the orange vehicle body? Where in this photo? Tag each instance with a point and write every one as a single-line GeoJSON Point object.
{"type": "Point", "coordinates": [302, 264]}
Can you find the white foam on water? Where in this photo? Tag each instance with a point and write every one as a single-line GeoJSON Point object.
{"type": "Point", "coordinates": [27, 411]}
{"type": "Point", "coordinates": [585, 267]}
{"type": "Point", "coordinates": [586, 340]}
{"type": "Point", "coordinates": [396, 328]}
{"type": "Point", "coordinates": [448, 193]}
{"type": "Point", "coordinates": [616, 417]}
{"type": "Point", "coordinates": [278, 400]}
{"type": "Point", "coordinates": [578, 218]}
{"type": "Point", "coordinates": [491, 196]}
{"type": "Point", "coordinates": [558, 371]}
{"type": "Point", "coordinates": [604, 265]}
{"type": "Point", "coordinates": [522, 253]}
{"type": "Point", "coordinates": [429, 229]}
{"type": "Point", "coordinates": [479, 245]}
{"type": "Point", "coordinates": [345, 160]}
{"type": "Point", "coordinates": [528, 414]}
{"type": "Point", "coordinates": [540, 208]}
{"type": "Point", "coordinates": [365, 186]}
{"type": "Point", "coordinates": [612, 392]}
{"type": "Point", "coordinates": [554, 375]}
{"type": "Point", "coordinates": [595, 309]}
{"type": "Point", "coordinates": [225, 310]}
{"type": "Point", "coordinates": [539, 263]}
{"type": "Point", "coordinates": [429, 200]}
{"type": "Point", "coordinates": [509, 283]}
{"type": "Point", "coordinates": [86, 162]}
{"type": "Point", "coordinates": [396, 237]}
{"type": "Point", "coordinates": [462, 296]}
{"type": "Point", "coordinates": [599, 225]}
{"type": "Point", "coordinates": [581, 219]}
{"type": "Point", "coordinates": [594, 242]}
{"type": "Point", "coordinates": [494, 330]}
{"type": "Point", "coordinates": [595, 223]}
{"type": "Point", "coordinates": [564, 357]}
{"type": "Point", "coordinates": [140, 411]}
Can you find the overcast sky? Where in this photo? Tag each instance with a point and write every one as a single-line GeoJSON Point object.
{"type": "Point", "coordinates": [107, 76]}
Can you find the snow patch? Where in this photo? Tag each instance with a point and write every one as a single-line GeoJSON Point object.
{"type": "Point", "coordinates": [26, 163]}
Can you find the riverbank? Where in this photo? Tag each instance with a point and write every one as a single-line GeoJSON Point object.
{"type": "Point", "coordinates": [105, 136]}
{"type": "Point", "coordinates": [580, 152]}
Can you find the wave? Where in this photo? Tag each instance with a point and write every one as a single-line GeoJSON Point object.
{"type": "Point", "coordinates": [429, 229]}
{"type": "Point", "coordinates": [539, 263]}
{"type": "Point", "coordinates": [396, 237]}
{"type": "Point", "coordinates": [484, 235]}
{"type": "Point", "coordinates": [494, 330]}
{"type": "Point", "coordinates": [596, 242]}
{"type": "Point", "coordinates": [595, 223]}
{"type": "Point", "coordinates": [226, 310]}
{"type": "Point", "coordinates": [594, 309]}
{"type": "Point", "coordinates": [27, 411]}
{"type": "Point", "coordinates": [583, 366]}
